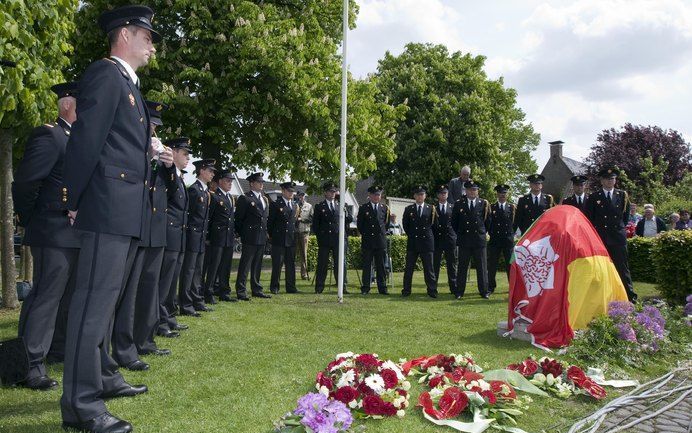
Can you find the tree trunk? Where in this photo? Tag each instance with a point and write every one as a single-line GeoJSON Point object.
{"type": "Point", "coordinates": [27, 264]}
{"type": "Point", "coordinates": [7, 263]}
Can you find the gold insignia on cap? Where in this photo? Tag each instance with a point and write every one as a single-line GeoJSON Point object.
{"type": "Point", "coordinates": [159, 108]}
{"type": "Point", "coordinates": [132, 99]}
{"type": "Point", "coordinates": [610, 171]}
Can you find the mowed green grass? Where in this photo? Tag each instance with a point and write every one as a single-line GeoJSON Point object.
{"type": "Point", "coordinates": [244, 365]}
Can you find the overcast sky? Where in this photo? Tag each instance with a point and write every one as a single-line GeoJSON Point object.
{"type": "Point", "coordinates": [578, 66]}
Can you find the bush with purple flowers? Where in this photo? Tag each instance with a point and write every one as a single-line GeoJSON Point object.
{"type": "Point", "coordinates": [316, 414]}
{"type": "Point", "coordinates": [645, 328]}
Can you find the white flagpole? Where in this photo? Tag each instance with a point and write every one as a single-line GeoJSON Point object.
{"type": "Point", "coordinates": [342, 174]}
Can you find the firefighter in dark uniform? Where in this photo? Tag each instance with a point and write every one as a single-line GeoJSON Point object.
{"type": "Point", "coordinates": [445, 239]}
{"type": "Point", "coordinates": [533, 204]}
{"type": "Point", "coordinates": [608, 211]}
{"type": "Point", "coordinates": [176, 227]}
{"type": "Point", "coordinates": [221, 239]}
{"type": "Point", "coordinates": [372, 220]}
{"type": "Point", "coordinates": [54, 244]}
{"type": "Point", "coordinates": [325, 226]}
{"type": "Point", "coordinates": [190, 294]}
{"type": "Point", "coordinates": [281, 228]}
{"type": "Point", "coordinates": [107, 169]}
{"type": "Point", "coordinates": [139, 293]}
{"type": "Point", "coordinates": [147, 303]}
{"type": "Point", "coordinates": [471, 221]}
{"type": "Point", "coordinates": [501, 232]}
{"type": "Point", "coordinates": [252, 212]}
{"type": "Point", "coordinates": [418, 221]}
{"type": "Point", "coordinates": [579, 196]}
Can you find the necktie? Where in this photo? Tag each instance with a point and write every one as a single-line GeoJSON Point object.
{"type": "Point", "coordinates": [331, 206]}
{"type": "Point", "coordinates": [535, 200]}
{"type": "Point", "coordinates": [471, 205]}
{"type": "Point", "coordinates": [608, 195]}
{"type": "Point", "coordinates": [579, 201]}
{"type": "Point", "coordinates": [259, 197]}
{"type": "Point", "coordinates": [420, 211]}
{"type": "Point", "coordinates": [289, 205]}
{"type": "Point", "coordinates": [442, 212]}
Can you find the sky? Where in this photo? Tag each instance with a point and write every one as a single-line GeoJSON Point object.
{"type": "Point", "coordinates": [578, 66]}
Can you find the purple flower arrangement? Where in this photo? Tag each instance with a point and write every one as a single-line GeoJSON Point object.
{"type": "Point", "coordinates": [688, 310]}
{"type": "Point", "coordinates": [645, 328]}
{"type": "Point", "coordinates": [318, 414]}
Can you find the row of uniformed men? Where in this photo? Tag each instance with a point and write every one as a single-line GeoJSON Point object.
{"type": "Point", "coordinates": [472, 227]}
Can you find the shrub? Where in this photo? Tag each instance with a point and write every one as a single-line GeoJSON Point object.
{"type": "Point", "coordinates": [673, 267]}
{"type": "Point", "coordinates": [640, 251]}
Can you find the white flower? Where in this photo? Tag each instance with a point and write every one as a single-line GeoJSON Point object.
{"type": "Point", "coordinates": [344, 355]}
{"type": "Point", "coordinates": [435, 370]}
{"type": "Point", "coordinates": [346, 379]}
{"type": "Point", "coordinates": [436, 393]}
{"type": "Point", "coordinates": [406, 385]}
{"type": "Point", "coordinates": [400, 413]}
{"type": "Point", "coordinates": [324, 390]}
{"type": "Point", "coordinates": [550, 379]}
{"type": "Point", "coordinates": [353, 404]}
{"type": "Point", "coordinates": [376, 383]}
{"type": "Point", "coordinates": [399, 401]}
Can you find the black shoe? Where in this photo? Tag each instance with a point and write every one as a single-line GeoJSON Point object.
{"type": "Point", "coordinates": [405, 294]}
{"type": "Point", "coordinates": [193, 314]}
{"type": "Point", "coordinates": [386, 293]}
{"type": "Point", "coordinates": [180, 327]}
{"type": "Point", "coordinates": [485, 296]}
{"type": "Point", "coordinates": [243, 298]}
{"type": "Point", "coordinates": [168, 334]}
{"type": "Point", "coordinates": [273, 292]}
{"type": "Point", "coordinates": [226, 298]}
{"type": "Point", "coordinates": [491, 291]}
{"type": "Point", "coordinates": [210, 300]}
{"type": "Point", "coordinates": [126, 390]}
{"type": "Point", "coordinates": [432, 294]}
{"type": "Point", "coordinates": [137, 366]}
{"type": "Point", "coordinates": [157, 352]}
{"type": "Point", "coordinates": [104, 423]}
{"type": "Point", "coordinates": [42, 383]}
{"type": "Point", "coordinates": [364, 292]}
{"type": "Point", "coordinates": [458, 297]}
{"type": "Point", "coordinates": [204, 308]}
{"type": "Point", "coordinates": [318, 291]}
{"type": "Point", "coordinates": [261, 295]}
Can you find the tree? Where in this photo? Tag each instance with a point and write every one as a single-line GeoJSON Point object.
{"type": "Point", "coordinates": [34, 34]}
{"type": "Point", "coordinates": [456, 116]}
{"type": "Point", "coordinates": [257, 84]}
{"type": "Point", "coordinates": [629, 147]}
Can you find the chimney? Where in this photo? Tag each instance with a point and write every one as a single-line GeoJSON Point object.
{"type": "Point", "coordinates": [556, 149]}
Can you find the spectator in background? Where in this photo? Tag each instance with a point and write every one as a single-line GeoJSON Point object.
{"type": "Point", "coordinates": [393, 227]}
{"type": "Point", "coordinates": [634, 217]}
{"type": "Point", "coordinates": [651, 225]}
{"type": "Point", "coordinates": [674, 218]}
{"type": "Point", "coordinates": [685, 223]}
{"type": "Point", "coordinates": [456, 185]}
{"type": "Point", "coordinates": [304, 223]}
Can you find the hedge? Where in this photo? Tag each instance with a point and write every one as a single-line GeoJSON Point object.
{"type": "Point", "coordinates": [663, 260]}
{"type": "Point", "coordinates": [671, 256]}
{"type": "Point", "coordinates": [640, 251]}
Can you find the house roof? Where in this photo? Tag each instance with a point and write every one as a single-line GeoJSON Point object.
{"type": "Point", "coordinates": [362, 186]}
{"type": "Point", "coordinates": [576, 167]}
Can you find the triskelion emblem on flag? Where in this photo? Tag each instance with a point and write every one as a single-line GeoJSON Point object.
{"type": "Point", "coordinates": [536, 261]}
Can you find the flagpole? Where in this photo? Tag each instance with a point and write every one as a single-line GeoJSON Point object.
{"type": "Point", "coordinates": [342, 173]}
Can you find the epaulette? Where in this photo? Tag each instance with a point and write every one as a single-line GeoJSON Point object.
{"type": "Point", "coordinates": [120, 67]}
{"type": "Point", "coordinates": [50, 125]}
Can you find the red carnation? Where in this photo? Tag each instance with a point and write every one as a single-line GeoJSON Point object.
{"type": "Point", "coordinates": [401, 392]}
{"type": "Point", "coordinates": [470, 376]}
{"type": "Point", "coordinates": [458, 374]}
{"type": "Point", "coordinates": [595, 390]}
{"type": "Point", "coordinates": [390, 378]}
{"type": "Point", "coordinates": [490, 396]}
{"type": "Point", "coordinates": [453, 402]}
{"type": "Point", "coordinates": [346, 394]}
{"type": "Point", "coordinates": [551, 366]}
{"type": "Point", "coordinates": [335, 363]}
{"type": "Point", "coordinates": [373, 405]}
{"type": "Point", "coordinates": [364, 389]}
{"type": "Point", "coordinates": [498, 388]}
{"type": "Point", "coordinates": [324, 380]}
{"type": "Point", "coordinates": [527, 368]}
{"type": "Point", "coordinates": [368, 361]}
{"type": "Point", "coordinates": [435, 381]}
{"type": "Point", "coordinates": [388, 409]}
{"type": "Point", "coordinates": [576, 375]}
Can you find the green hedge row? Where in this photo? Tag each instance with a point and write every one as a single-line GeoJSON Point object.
{"type": "Point", "coordinates": [664, 260]}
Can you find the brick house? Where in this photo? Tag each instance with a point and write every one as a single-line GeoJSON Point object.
{"type": "Point", "coordinates": [558, 171]}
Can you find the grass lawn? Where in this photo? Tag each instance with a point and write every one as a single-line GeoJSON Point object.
{"type": "Point", "coordinates": [242, 366]}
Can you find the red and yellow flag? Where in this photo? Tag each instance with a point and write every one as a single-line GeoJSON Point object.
{"type": "Point", "coordinates": [561, 277]}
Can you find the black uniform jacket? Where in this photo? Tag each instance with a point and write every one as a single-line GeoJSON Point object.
{"type": "Point", "coordinates": [106, 163]}
{"type": "Point", "coordinates": [36, 190]}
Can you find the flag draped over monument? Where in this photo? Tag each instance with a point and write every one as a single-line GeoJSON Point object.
{"type": "Point", "coordinates": [561, 277]}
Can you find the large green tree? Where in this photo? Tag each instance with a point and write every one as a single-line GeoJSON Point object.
{"type": "Point", "coordinates": [257, 84]}
{"type": "Point", "coordinates": [456, 116]}
{"type": "Point", "coordinates": [35, 35]}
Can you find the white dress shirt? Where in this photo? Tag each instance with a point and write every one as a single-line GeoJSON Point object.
{"type": "Point", "coordinates": [128, 68]}
{"type": "Point", "coordinates": [204, 185]}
